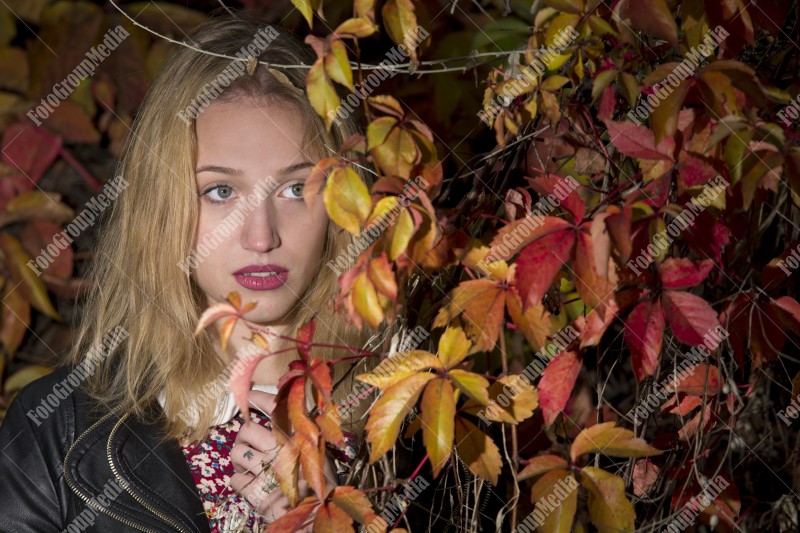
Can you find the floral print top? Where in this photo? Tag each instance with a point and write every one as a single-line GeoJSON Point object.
{"type": "Point", "coordinates": [209, 461]}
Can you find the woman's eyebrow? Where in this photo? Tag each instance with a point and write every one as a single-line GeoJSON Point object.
{"type": "Point", "coordinates": [238, 172]}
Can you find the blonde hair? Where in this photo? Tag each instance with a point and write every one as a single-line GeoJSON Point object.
{"type": "Point", "coordinates": [134, 277]}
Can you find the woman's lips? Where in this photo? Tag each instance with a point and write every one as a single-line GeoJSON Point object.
{"type": "Point", "coordinates": [257, 282]}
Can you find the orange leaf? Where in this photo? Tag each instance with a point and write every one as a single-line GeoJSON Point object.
{"type": "Point", "coordinates": [294, 519]}
{"type": "Point", "coordinates": [481, 305]}
{"type": "Point", "coordinates": [477, 450]}
{"type": "Point", "coordinates": [297, 411]}
{"type": "Point", "coordinates": [214, 313]}
{"type": "Point", "coordinates": [387, 415]}
{"type": "Point", "coordinates": [312, 461]}
{"type": "Point", "coordinates": [320, 374]}
{"type": "Point", "coordinates": [329, 423]}
{"type": "Point", "coordinates": [438, 411]}
{"type": "Point", "coordinates": [534, 322]}
{"type": "Point", "coordinates": [541, 464]}
{"type": "Point", "coordinates": [331, 519]}
{"type": "Point", "coordinates": [287, 467]}
{"type": "Point", "coordinates": [354, 502]}
{"type": "Point", "coordinates": [610, 440]}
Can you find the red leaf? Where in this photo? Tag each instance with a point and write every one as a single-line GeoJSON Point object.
{"type": "Point", "coordinates": [304, 336]}
{"type": "Point", "coordinates": [644, 332]}
{"type": "Point", "coordinates": [788, 311]}
{"type": "Point", "coordinates": [653, 17]}
{"type": "Point", "coordinates": [689, 316]}
{"type": "Point", "coordinates": [634, 140]}
{"type": "Point", "coordinates": [30, 149]}
{"type": "Point", "coordinates": [555, 387]}
{"type": "Point", "coordinates": [539, 263]}
{"type": "Point", "coordinates": [562, 188]}
{"type": "Point", "coordinates": [682, 273]}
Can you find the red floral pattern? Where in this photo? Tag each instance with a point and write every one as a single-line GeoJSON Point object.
{"type": "Point", "coordinates": [209, 461]}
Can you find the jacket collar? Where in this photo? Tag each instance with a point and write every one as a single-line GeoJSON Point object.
{"type": "Point", "coordinates": [120, 452]}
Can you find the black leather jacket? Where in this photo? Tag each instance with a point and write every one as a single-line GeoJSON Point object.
{"type": "Point", "coordinates": [68, 465]}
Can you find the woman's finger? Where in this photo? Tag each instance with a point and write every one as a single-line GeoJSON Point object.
{"type": "Point", "coordinates": [247, 459]}
{"type": "Point", "coordinates": [257, 437]}
{"type": "Point", "coordinates": [263, 401]}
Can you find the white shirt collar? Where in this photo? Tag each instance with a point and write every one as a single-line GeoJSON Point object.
{"type": "Point", "coordinates": [227, 409]}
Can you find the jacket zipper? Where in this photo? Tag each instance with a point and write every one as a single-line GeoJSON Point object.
{"type": "Point", "coordinates": [89, 502]}
{"type": "Point", "coordinates": [136, 496]}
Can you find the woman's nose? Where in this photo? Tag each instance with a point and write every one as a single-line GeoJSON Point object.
{"type": "Point", "coordinates": [260, 231]}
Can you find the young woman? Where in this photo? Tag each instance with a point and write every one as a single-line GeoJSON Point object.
{"type": "Point", "coordinates": [139, 432]}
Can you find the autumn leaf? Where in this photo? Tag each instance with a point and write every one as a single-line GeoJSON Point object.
{"type": "Point", "coordinates": [689, 316]}
{"type": "Point", "coordinates": [400, 20]}
{"type": "Point", "coordinates": [241, 382]}
{"type": "Point", "coordinates": [293, 519]}
{"type": "Point", "coordinates": [366, 301]}
{"type": "Point", "coordinates": [287, 468]}
{"type": "Point", "coordinates": [312, 462]}
{"type": "Point", "coordinates": [453, 347]}
{"type": "Point", "coordinates": [477, 450]}
{"type": "Point", "coordinates": [610, 440]}
{"type": "Point", "coordinates": [609, 509]}
{"type": "Point", "coordinates": [438, 409]}
{"type": "Point", "coordinates": [556, 384]}
{"type": "Point", "coordinates": [386, 416]}
{"type": "Point", "coordinates": [558, 518]}
{"type": "Point", "coordinates": [347, 199]}
{"type": "Point", "coordinates": [634, 140]}
{"type": "Point", "coordinates": [332, 519]}
{"type": "Point", "coordinates": [541, 464]}
{"type": "Point", "coordinates": [644, 333]}
{"type": "Point", "coordinates": [398, 367]}
{"type": "Point", "coordinates": [358, 27]}
{"type": "Point", "coordinates": [682, 273]}
{"type": "Point", "coordinates": [337, 65]}
{"type": "Point", "coordinates": [321, 93]}
{"type": "Point", "coordinates": [473, 385]}
{"type": "Point", "coordinates": [653, 17]}
{"type": "Point", "coordinates": [17, 259]}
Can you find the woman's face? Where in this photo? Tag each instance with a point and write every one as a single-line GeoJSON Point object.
{"type": "Point", "coordinates": [250, 173]}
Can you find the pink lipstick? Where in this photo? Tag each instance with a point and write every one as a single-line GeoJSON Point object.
{"type": "Point", "coordinates": [261, 277]}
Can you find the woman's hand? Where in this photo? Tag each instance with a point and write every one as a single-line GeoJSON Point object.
{"type": "Point", "coordinates": [255, 444]}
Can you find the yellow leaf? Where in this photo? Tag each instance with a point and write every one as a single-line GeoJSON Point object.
{"type": "Point", "coordinates": [534, 322]}
{"type": "Point", "coordinates": [397, 154]}
{"type": "Point", "coordinates": [559, 518]}
{"type": "Point", "coordinates": [17, 259]}
{"type": "Point", "coordinates": [24, 376]}
{"type": "Point", "coordinates": [306, 8]}
{"type": "Point", "coordinates": [386, 416]}
{"type": "Point", "coordinates": [365, 300]}
{"type": "Point", "coordinates": [378, 130]}
{"type": "Point", "coordinates": [347, 199]}
{"type": "Point", "coordinates": [321, 93]}
{"type": "Point", "coordinates": [609, 508]}
{"type": "Point", "coordinates": [610, 440]}
{"type": "Point", "coordinates": [398, 367]}
{"type": "Point", "coordinates": [477, 450]}
{"type": "Point", "coordinates": [453, 346]}
{"type": "Point", "coordinates": [473, 385]}
{"type": "Point", "coordinates": [365, 8]}
{"type": "Point", "coordinates": [402, 231]}
{"type": "Point", "coordinates": [359, 26]}
{"type": "Point", "coordinates": [438, 410]}
{"type": "Point", "coordinates": [337, 65]}
{"type": "Point", "coordinates": [401, 24]}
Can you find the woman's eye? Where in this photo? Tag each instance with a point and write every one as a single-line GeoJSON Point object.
{"type": "Point", "coordinates": [296, 189]}
{"type": "Point", "coordinates": [219, 193]}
